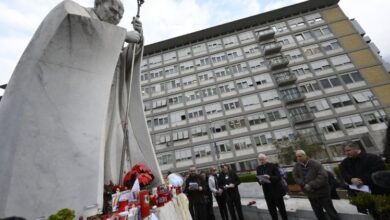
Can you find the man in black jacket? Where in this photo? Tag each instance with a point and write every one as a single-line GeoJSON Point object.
{"type": "Point", "coordinates": [269, 177]}
{"type": "Point", "coordinates": [357, 168]}
{"type": "Point", "coordinates": [313, 179]}
{"type": "Point", "coordinates": [194, 187]}
{"type": "Point", "coordinates": [229, 182]}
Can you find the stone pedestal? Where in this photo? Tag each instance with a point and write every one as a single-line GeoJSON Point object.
{"type": "Point", "coordinates": [53, 116]}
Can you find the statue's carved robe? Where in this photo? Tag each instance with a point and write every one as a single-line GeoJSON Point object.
{"type": "Point", "coordinates": [59, 127]}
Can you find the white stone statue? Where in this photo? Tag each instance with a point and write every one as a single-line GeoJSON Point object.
{"type": "Point", "coordinates": [64, 110]}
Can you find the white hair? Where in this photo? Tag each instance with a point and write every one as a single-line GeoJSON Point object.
{"type": "Point", "coordinates": [300, 152]}
{"type": "Point", "coordinates": [262, 156]}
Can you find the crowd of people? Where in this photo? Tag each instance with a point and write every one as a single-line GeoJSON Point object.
{"type": "Point", "coordinates": [360, 171]}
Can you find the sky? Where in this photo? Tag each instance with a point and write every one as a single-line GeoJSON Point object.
{"type": "Point", "coordinates": [164, 19]}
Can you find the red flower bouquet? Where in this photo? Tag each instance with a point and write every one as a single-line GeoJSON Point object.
{"type": "Point", "coordinates": [142, 173]}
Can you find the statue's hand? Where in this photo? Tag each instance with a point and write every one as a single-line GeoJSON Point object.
{"type": "Point", "coordinates": [133, 37]}
{"type": "Point", "coordinates": [137, 25]}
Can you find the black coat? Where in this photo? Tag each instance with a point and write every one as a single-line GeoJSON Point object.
{"type": "Point", "coordinates": [195, 195]}
{"type": "Point", "coordinates": [362, 167]}
{"type": "Point", "coordinates": [226, 179]}
{"type": "Point", "coordinates": [274, 189]}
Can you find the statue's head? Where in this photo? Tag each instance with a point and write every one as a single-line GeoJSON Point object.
{"type": "Point", "coordinates": [110, 11]}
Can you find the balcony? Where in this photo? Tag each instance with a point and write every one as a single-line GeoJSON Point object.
{"type": "Point", "coordinates": [278, 63]}
{"type": "Point", "coordinates": [285, 78]}
{"type": "Point", "coordinates": [266, 34]}
{"type": "Point", "coordinates": [293, 98]}
{"type": "Point", "coordinates": [303, 118]}
{"type": "Point", "coordinates": [272, 48]}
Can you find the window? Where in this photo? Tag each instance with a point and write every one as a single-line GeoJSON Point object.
{"type": "Point", "coordinates": [199, 131]}
{"type": "Point", "coordinates": [187, 66]}
{"type": "Point", "coordinates": [226, 88]}
{"type": "Point", "coordinates": [242, 143]}
{"type": "Point", "coordinates": [352, 77]}
{"type": "Point", "coordinates": [364, 96]}
{"type": "Point", "coordinates": [280, 27]}
{"type": "Point", "coordinates": [236, 123]}
{"type": "Point", "coordinates": [234, 54]}
{"type": "Point", "coordinates": [312, 50]}
{"type": "Point", "coordinates": [144, 76]}
{"type": "Point", "coordinates": [320, 65]}
{"type": "Point", "coordinates": [314, 19]}
{"type": "Point", "coordinates": [286, 41]}
{"type": "Point", "coordinates": [231, 104]}
{"type": "Point", "coordinates": [156, 88]}
{"type": "Point", "coordinates": [352, 121]}
{"type": "Point", "coordinates": [169, 57]}
{"type": "Point", "coordinates": [184, 53]}
{"type": "Point", "coordinates": [340, 60]}
{"type": "Point", "coordinates": [159, 103]}
{"type": "Point", "coordinates": [246, 36]}
{"type": "Point", "coordinates": [237, 68]}
{"type": "Point", "coordinates": [329, 126]}
{"type": "Point", "coordinates": [195, 112]}
{"type": "Point", "coordinates": [218, 126]}
{"type": "Point", "coordinates": [199, 49]}
{"type": "Point", "coordinates": [173, 84]}
{"type": "Point", "coordinates": [340, 101]}
{"type": "Point", "coordinates": [244, 83]}
{"type": "Point", "coordinates": [375, 117]}
{"type": "Point", "coordinates": [250, 100]}
{"type": "Point", "coordinates": [210, 91]}
{"type": "Point", "coordinates": [193, 95]}
{"type": "Point", "coordinates": [319, 105]}
{"type": "Point", "coordinates": [284, 134]}
{"type": "Point", "coordinates": [160, 120]}
{"type": "Point", "coordinates": [322, 31]}
{"type": "Point", "coordinates": [171, 70]}
{"type": "Point", "coordinates": [163, 138]}
{"type": "Point", "coordinates": [304, 36]}
{"type": "Point", "coordinates": [154, 74]}
{"type": "Point", "coordinates": [330, 82]}
{"type": "Point", "coordinates": [155, 60]}
{"type": "Point", "coordinates": [179, 135]}
{"type": "Point", "coordinates": [270, 95]}
{"type": "Point", "coordinates": [164, 158]}
{"type": "Point", "coordinates": [300, 70]}
{"type": "Point", "coordinates": [189, 80]}
{"type": "Point", "coordinates": [221, 72]}
{"type": "Point", "coordinates": [263, 139]}
{"type": "Point", "coordinates": [213, 108]}
{"type": "Point", "coordinates": [308, 87]}
{"type": "Point", "coordinates": [218, 58]}
{"type": "Point", "coordinates": [205, 76]}
{"type": "Point", "coordinates": [256, 119]}
{"type": "Point", "coordinates": [202, 61]}
{"type": "Point", "coordinates": [296, 23]}
{"type": "Point", "coordinates": [177, 117]}
{"type": "Point", "coordinates": [230, 41]}
{"type": "Point", "coordinates": [276, 115]}
{"type": "Point", "coordinates": [214, 45]}
{"type": "Point", "coordinates": [262, 79]}
{"type": "Point", "coordinates": [202, 151]}
{"type": "Point", "coordinates": [183, 155]}
{"type": "Point", "coordinates": [290, 94]}
{"type": "Point", "coordinates": [224, 146]}
{"type": "Point", "coordinates": [331, 46]}
{"type": "Point", "coordinates": [176, 99]}
{"type": "Point", "coordinates": [293, 55]}
{"type": "Point", "coordinates": [147, 106]}
{"type": "Point", "coordinates": [252, 49]}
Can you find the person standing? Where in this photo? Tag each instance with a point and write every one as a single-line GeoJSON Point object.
{"type": "Point", "coordinates": [357, 168]}
{"type": "Point", "coordinates": [229, 182]}
{"type": "Point", "coordinates": [208, 196]}
{"type": "Point", "coordinates": [218, 193]}
{"type": "Point", "coordinates": [270, 179]}
{"type": "Point", "coordinates": [313, 179]}
{"type": "Point", "coordinates": [194, 191]}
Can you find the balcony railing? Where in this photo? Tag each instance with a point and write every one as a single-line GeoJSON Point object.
{"type": "Point", "coordinates": [266, 34]}
{"type": "Point", "coordinates": [279, 62]}
{"type": "Point", "coordinates": [272, 48]}
{"type": "Point", "coordinates": [303, 118]}
{"type": "Point", "coordinates": [293, 98]}
{"type": "Point", "coordinates": [285, 78]}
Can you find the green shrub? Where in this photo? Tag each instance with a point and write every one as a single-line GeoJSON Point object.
{"type": "Point", "coordinates": [63, 214]}
{"type": "Point", "coordinates": [377, 205]}
{"type": "Point", "coordinates": [290, 178]}
{"type": "Point", "coordinates": [337, 172]}
{"type": "Point", "coordinates": [247, 177]}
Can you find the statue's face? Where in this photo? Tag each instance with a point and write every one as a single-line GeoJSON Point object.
{"type": "Point", "coordinates": [110, 11]}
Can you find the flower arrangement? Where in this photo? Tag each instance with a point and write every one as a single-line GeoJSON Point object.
{"type": "Point", "coordinates": [141, 172]}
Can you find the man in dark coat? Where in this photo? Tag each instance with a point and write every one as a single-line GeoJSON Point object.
{"type": "Point", "coordinates": [357, 168]}
{"type": "Point", "coordinates": [218, 193]}
{"type": "Point", "coordinates": [229, 182]}
{"type": "Point", "coordinates": [313, 179]}
{"type": "Point", "coordinates": [269, 177]}
{"type": "Point", "coordinates": [194, 187]}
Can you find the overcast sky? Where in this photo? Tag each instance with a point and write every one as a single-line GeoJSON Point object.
{"type": "Point", "coordinates": [163, 19]}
